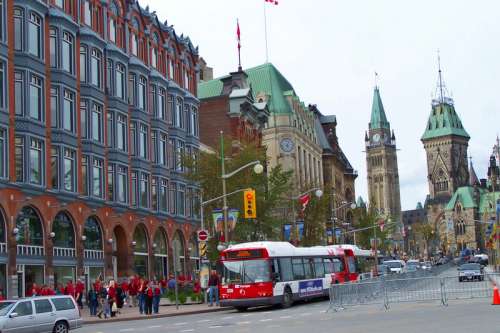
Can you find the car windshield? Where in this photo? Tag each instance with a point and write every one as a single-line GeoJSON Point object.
{"type": "Point", "coordinates": [246, 271]}
{"type": "Point", "coordinates": [393, 264]}
{"type": "Point", "coordinates": [413, 263]}
{"type": "Point", "coordinates": [470, 267]}
{"type": "Point", "coordinates": [5, 307]}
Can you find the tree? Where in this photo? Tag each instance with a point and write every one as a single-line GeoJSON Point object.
{"type": "Point", "coordinates": [367, 219]}
{"type": "Point", "coordinates": [426, 232]}
{"type": "Point", "coordinates": [271, 188]}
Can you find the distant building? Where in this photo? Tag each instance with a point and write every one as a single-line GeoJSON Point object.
{"type": "Point", "coordinates": [412, 220]}
{"type": "Point", "coordinates": [338, 172]}
{"type": "Point", "coordinates": [382, 167]}
{"type": "Point", "coordinates": [231, 108]}
{"type": "Point", "coordinates": [290, 133]}
{"type": "Point", "coordinates": [206, 73]}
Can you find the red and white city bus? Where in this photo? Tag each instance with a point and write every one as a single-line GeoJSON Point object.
{"type": "Point", "coordinates": [268, 273]}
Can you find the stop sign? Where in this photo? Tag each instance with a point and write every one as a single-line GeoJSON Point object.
{"type": "Point", "coordinates": [202, 235]}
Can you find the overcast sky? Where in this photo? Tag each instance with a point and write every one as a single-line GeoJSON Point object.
{"type": "Point", "coordinates": [330, 49]}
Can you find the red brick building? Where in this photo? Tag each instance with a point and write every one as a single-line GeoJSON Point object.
{"type": "Point", "coordinates": [99, 108]}
{"type": "Point", "coordinates": [232, 110]}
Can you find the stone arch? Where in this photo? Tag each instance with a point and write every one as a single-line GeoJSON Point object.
{"type": "Point", "coordinates": [120, 251]}
{"type": "Point", "coordinates": [65, 235]}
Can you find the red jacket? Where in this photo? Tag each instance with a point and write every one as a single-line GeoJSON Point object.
{"type": "Point", "coordinates": [112, 292]}
{"type": "Point", "coordinates": [124, 287]}
{"type": "Point", "coordinates": [80, 287]}
{"type": "Point", "coordinates": [70, 289]}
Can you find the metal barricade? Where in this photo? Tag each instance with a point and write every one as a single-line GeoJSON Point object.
{"type": "Point", "coordinates": [415, 287]}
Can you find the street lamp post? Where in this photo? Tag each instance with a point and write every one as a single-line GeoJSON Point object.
{"type": "Point", "coordinates": [352, 205]}
{"type": "Point", "coordinates": [258, 169]}
{"type": "Point", "coordinates": [318, 193]}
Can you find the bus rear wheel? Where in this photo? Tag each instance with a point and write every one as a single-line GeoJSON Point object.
{"type": "Point", "coordinates": [241, 308]}
{"type": "Point", "coordinates": [287, 299]}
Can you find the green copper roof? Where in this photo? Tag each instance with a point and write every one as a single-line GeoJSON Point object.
{"type": "Point", "coordinates": [264, 78]}
{"type": "Point", "coordinates": [378, 119]}
{"type": "Point", "coordinates": [464, 195]}
{"type": "Point", "coordinates": [488, 202]}
{"type": "Point", "coordinates": [444, 121]}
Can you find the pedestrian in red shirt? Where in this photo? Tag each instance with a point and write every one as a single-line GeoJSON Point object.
{"type": "Point", "coordinates": [148, 297]}
{"type": "Point", "coordinates": [163, 285]}
{"type": "Point", "coordinates": [156, 297]}
{"type": "Point", "coordinates": [70, 289]}
{"type": "Point", "coordinates": [112, 297]}
{"type": "Point", "coordinates": [79, 290]}
{"type": "Point", "coordinates": [125, 292]}
{"type": "Point", "coordinates": [132, 292]}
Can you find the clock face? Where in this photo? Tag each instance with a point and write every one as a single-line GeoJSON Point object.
{"type": "Point", "coordinates": [376, 137]}
{"type": "Point", "coordinates": [286, 145]}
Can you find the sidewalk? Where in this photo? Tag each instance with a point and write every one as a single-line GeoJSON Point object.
{"type": "Point", "coordinates": [165, 311]}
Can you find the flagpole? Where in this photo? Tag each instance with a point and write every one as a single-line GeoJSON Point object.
{"type": "Point", "coordinates": [265, 31]}
{"type": "Point", "coordinates": [239, 45]}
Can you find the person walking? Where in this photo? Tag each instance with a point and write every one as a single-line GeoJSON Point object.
{"type": "Point", "coordinates": [132, 292]}
{"type": "Point", "coordinates": [213, 285]}
{"type": "Point", "coordinates": [156, 297]}
{"type": "Point", "coordinates": [79, 290]}
{"type": "Point", "coordinates": [148, 299]}
{"type": "Point", "coordinates": [112, 298]}
{"type": "Point", "coordinates": [140, 295]}
{"type": "Point", "coordinates": [93, 301]}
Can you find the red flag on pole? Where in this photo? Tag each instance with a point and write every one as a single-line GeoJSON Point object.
{"type": "Point", "coordinates": [238, 36]}
{"type": "Point", "coordinates": [304, 201]}
{"type": "Point", "coordinates": [272, 2]}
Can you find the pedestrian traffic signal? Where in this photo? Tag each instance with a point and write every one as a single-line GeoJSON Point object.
{"type": "Point", "coordinates": [249, 204]}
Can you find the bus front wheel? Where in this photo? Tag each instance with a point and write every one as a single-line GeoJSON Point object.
{"type": "Point", "coordinates": [241, 308]}
{"type": "Point", "coordinates": [287, 298]}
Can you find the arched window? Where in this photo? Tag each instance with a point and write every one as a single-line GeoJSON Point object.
{"type": "Point", "coordinates": [160, 254]}
{"type": "Point", "coordinates": [30, 229]}
{"type": "Point", "coordinates": [141, 240]}
{"type": "Point", "coordinates": [64, 231]}
{"type": "Point", "coordinates": [154, 51]}
{"type": "Point", "coordinates": [160, 243]}
{"type": "Point", "coordinates": [93, 233]}
{"type": "Point", "coordinates": [178, 249]}
{"type": "Point", "coordinates": [134, 38]}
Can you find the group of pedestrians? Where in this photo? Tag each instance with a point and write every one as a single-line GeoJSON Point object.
{"type": "Point", "coordinates": [76, 290]}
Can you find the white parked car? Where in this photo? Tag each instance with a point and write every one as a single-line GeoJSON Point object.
{"type": "Point", "coordinates": [57, 314]}
{"type": "Point", "coordinates": [396, 266]}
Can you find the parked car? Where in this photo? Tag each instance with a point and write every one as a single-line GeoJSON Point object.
{"type": "Point", "coordinates": [442, 261]}
{"type": "Point", "coordinates": [470, 272]}
{"type": "Point", "coordinates": [413, 262]}
{"type": "Point", "coordinates": [396, 266]}
{"type": "Point", "coordinates": [426, 265]}
{"type": "Point", "coordinates": [383, 270]}
{"type": "Point", "coordinates": [481, 259]}
{"type": "Point", "coordinates": [57, 314]}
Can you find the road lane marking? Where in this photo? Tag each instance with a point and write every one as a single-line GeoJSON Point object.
{"type": "Point", "coordinates": [126, 329]}
{"type": "Point", "coordinates": [215, 326]}
{"type": "Point", "coordinates": [188, 330]}
{"type": "Point", "coordinates": [154, 326]}
{"type": "Point", "coordinates": [263, 320]}
{"type": "Point", "coordinates": [227, 318]}
{"type": "Point", "coordinates": [180, 324]}
{"type": "Point", "coordinates": [248, 314]}
{"type": "Point", "coordinates": [285, 317]}
{"type": "Point", "coordinates": [267, 312]}
{"type": "Point", "coordinates": [243, 323]}
{"type": "Point", "coordinates": [305, 314]}
{"type": "Point", "coordinates": [204, 321]}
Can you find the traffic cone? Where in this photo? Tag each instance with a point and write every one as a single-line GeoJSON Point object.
{"type": "Point", "coordinates": [496, 296]}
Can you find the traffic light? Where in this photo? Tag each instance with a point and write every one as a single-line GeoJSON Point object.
{"type": "Point", "coordinates": [249, 204]}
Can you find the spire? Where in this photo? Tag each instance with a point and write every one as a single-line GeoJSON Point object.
{"type": "Point", "coordinates": [378, 119]}
{"type": "Point", "coordinates": [443, 120]}
{"type": "Point", "coordinates": [473, 180]}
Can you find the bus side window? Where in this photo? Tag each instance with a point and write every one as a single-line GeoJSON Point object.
{"type": "Point", "coordinates": [328, 266]}
{"type": "Point", "coordinates": [319, 268]}
{"type": "Point", "coordinates": [308, 268]}
{"type": "Point", "coordinates": [275, 271]}
{"type": "Point", "coordinates": [285, 267]}
{"type": "Point", "coordinates": [298, 269]}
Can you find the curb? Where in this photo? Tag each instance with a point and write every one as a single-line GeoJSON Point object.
{"type": "Point", "coordinates": [144, 317]}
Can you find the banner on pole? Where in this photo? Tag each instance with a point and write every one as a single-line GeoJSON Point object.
{"type": "Point", "coordinates": [218, 217]}
{"type": "Point", "coordinates": [232, 218]}
{"type": "Point", "coordinates": [329, 235]}
{"type": "Point", "coordinates": [287, 231]}
{"type": "Point", "coordinates": [300, 229]}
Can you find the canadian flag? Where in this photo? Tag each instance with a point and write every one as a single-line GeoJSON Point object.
{"type": "Point", "coordinates": [238, 34]}
{"type": "Point", "coordinates": [304, 201]}
{"type": "Point", "coordinates": [272, 2]}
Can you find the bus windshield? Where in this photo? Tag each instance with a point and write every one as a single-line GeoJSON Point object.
{"type": "Point", "coordinates": [246, 271]}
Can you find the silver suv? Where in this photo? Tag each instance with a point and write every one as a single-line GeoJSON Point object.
{"type": "Point", "coordinates": [57, 314]}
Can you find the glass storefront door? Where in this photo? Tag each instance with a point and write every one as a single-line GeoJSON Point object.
{"type": "Point", "coordinates": [63, 274]}
{"type": "Point", "coordinates": [161, 266]}
{"type": "Point", "coordinates": [92, 274]}
{"type": "Point", "coordinates": [141, 265]}
{"type": "Point", "coordinates": [27, 275]}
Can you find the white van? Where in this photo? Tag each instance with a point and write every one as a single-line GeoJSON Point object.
{"type": "Point", "coordinates": [396, 266]}
{"type": "Point", "coordinates": [57, 314]}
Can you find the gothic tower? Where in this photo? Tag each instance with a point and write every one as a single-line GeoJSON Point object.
{"type": "Point", "coordinates": [382, 162]}
{"type": "Point", "coordinates": [445, 142]}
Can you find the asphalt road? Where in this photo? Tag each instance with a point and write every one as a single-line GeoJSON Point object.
{"type": "Point", "coordinates": [459, 316]}
{"type": "Point", "coordinates": [464, 315]}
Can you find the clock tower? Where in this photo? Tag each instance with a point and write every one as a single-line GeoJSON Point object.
{"type": "Point", "coordinates": [382, 163]}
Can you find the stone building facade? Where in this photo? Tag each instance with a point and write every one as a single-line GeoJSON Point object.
{"type": "Point", "coordinates": [97, 105]}
{"type": "Point", "coordinates": [445, 141]}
